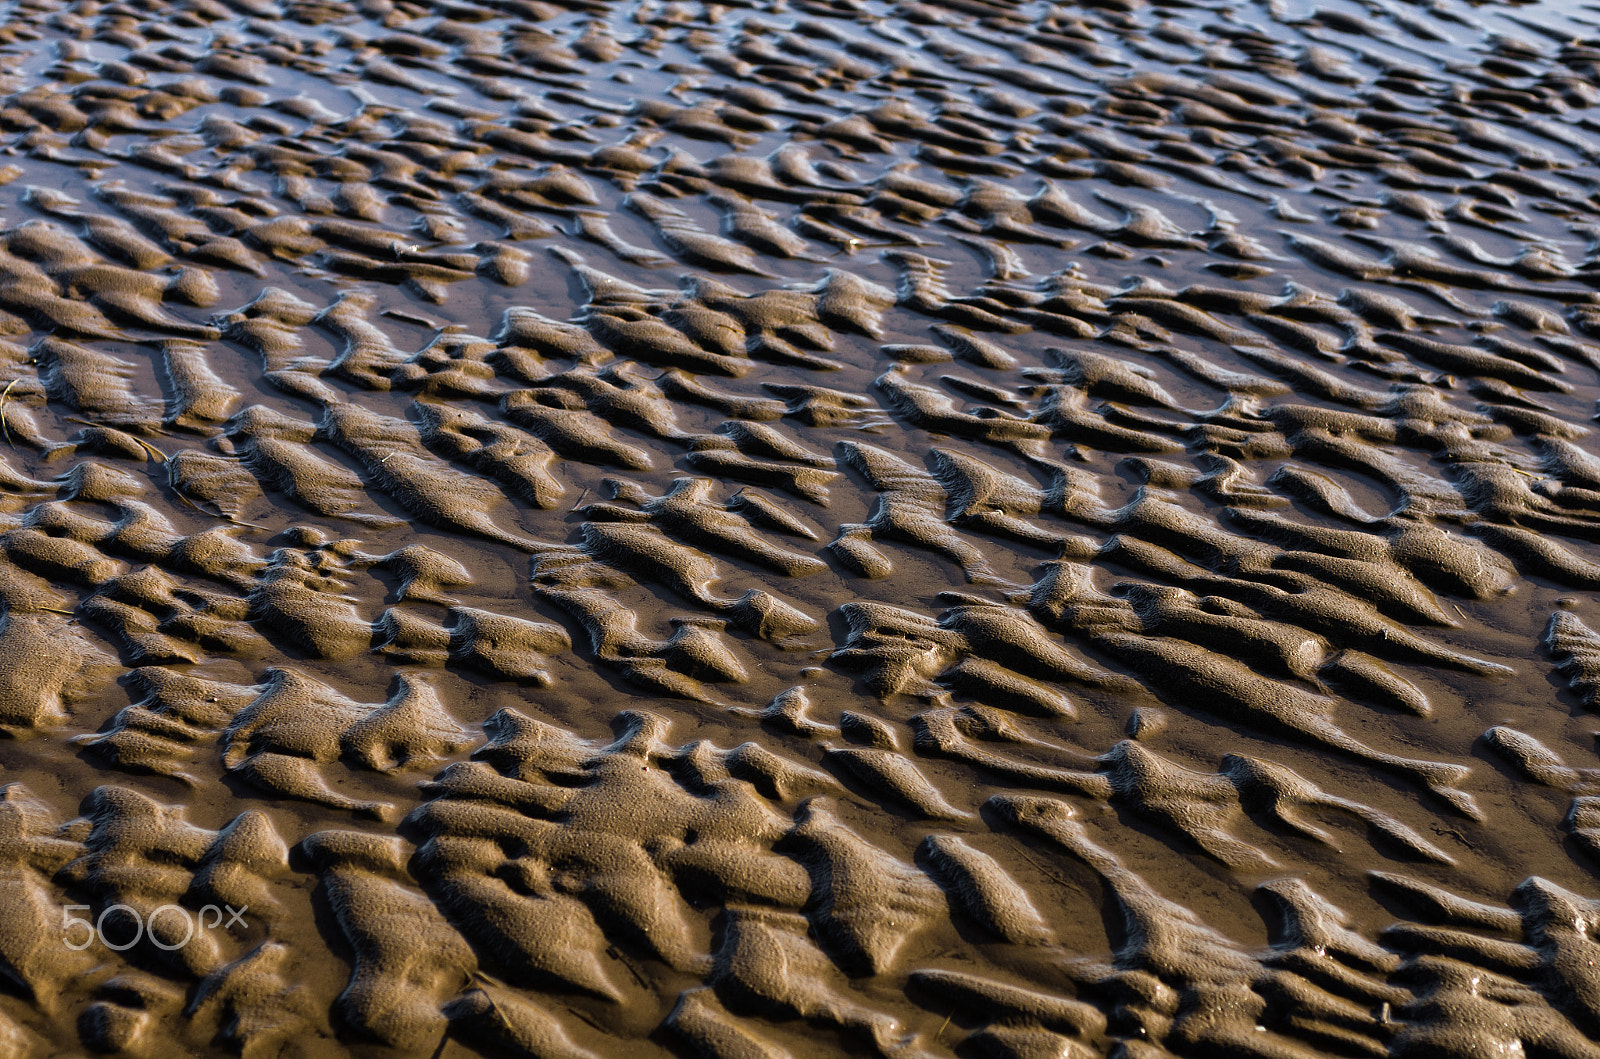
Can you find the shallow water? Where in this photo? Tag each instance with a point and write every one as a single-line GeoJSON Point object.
{"type": "Point", "coordinates": [799, 528]}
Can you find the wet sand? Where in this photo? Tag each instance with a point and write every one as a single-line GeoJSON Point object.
{"type": "Point", "coordinates": [798, 528]}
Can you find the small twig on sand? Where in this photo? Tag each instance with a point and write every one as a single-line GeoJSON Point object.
{"type": "Point", "coordinates": [220, 513]}
{"type": "Point", "coordinates": [4, 396]}
{"type": "Point", "coordinates": [160, 457]}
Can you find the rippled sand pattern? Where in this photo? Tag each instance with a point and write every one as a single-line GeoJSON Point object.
{"type": "Point", "coordinates": [799, 527]}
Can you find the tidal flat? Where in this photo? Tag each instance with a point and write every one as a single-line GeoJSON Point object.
{"type": "Point", "coordinates": [770, 529]}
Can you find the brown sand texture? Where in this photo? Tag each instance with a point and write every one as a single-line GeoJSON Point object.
{"type": "Point", "coordinates": [761, 529]}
